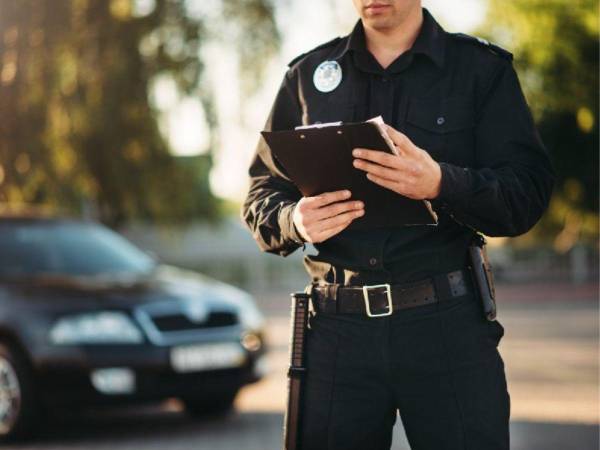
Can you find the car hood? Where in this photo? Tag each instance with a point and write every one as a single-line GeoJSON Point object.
{"type": "Point", "coordinates": [166, 283]}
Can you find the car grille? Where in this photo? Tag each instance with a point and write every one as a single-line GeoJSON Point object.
{"type": "Point", "coordinates": [168, 323]}
{"type": "Point", "coordinates": [178, 322]}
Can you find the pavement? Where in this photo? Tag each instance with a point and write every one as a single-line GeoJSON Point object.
{"type": "Point", "coordinates": [550, 349]}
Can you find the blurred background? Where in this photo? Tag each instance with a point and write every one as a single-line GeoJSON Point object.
{"type": "Point", "coordinates": [143, 115]}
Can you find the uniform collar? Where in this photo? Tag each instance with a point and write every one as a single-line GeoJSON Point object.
{"type": "Point", "coordinates": [430, 41]}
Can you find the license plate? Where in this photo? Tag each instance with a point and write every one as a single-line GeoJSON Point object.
{"type": "Point", "coordinates": [198, 357]}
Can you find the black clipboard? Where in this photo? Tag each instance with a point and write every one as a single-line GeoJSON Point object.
{"type": "Point", "coordinates": [319, 159]}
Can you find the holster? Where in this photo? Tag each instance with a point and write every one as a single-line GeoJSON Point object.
{"type": "Point", "coordinates": [482, 274]}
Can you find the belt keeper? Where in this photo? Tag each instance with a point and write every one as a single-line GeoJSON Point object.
{"type": "Point", "coordinates": [441, 286]}
{"type": "Point", "coordinates": [332, 290]}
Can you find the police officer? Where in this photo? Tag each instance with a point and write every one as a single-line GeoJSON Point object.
{"type": "Point", "coordinates": [418, 345]}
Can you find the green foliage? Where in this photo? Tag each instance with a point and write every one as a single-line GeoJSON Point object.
{"type": "Point", "coordinates": [76, 123]}
{"type": "Point", "coordinates": [556, 45]}
{"type": "Point", "coordinates": [197, 193]}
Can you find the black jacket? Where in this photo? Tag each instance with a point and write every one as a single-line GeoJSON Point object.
{"type": "Point", "coordinates": [456, 96]}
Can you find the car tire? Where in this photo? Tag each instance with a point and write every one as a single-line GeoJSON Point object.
{"type": "Point", "coordinates": [20, 411]}
{"type": "Point", "coordinates": [216, 404]}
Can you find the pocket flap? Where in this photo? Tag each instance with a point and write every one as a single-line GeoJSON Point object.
{"type": "Point", "coordinates": [441, 116]}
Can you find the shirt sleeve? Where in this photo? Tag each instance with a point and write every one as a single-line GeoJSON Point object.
{"type": "Point", "coordinates": [269, 204]}
{"type": "Point", "coordinates": [509, 187]}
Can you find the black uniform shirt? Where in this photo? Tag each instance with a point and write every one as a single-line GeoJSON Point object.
{"type": "Point", "coordinates": [455, 96]}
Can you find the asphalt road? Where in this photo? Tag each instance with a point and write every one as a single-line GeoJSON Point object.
{"type": "Point", "coordinates": [550, 349]}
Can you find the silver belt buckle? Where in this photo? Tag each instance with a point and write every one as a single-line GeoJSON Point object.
{"type": "Point", "coordinates": [388, 290]}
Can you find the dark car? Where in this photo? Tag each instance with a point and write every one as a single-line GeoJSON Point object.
{"type": "Point", "coordinates": [88, 318]}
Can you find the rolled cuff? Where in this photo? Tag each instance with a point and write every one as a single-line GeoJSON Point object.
{"type": "Point", "coordinates": [287, 226]}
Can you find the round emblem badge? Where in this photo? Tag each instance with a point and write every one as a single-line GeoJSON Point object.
{"type": "Point", "coordinates": [327, 76]}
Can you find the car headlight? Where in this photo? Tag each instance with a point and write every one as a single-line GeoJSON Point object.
{"type": "Point", "coordinates": [103, 327]}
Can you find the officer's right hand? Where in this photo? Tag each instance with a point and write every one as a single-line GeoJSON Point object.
{"type": "Point", "coordinates": [320, 217]}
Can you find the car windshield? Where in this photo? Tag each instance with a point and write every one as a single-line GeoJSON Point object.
{"type": "Point", "coordinates": [63, 248]}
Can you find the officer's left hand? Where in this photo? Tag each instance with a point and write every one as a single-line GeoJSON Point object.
{"type": "Point", "coordinates": [412, 173]}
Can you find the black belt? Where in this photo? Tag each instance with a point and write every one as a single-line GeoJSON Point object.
{"type": "Point", "coordinates": [383, 299]}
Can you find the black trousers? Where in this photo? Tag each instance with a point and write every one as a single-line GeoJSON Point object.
{"type": "Point", "coordinates": [438, 365]}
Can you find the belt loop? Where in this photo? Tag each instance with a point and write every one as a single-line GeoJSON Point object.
{"type": "Point", "coordinates": [332, 290]}
{"type": "Point", "coordinates": [470, 279]}
{"type": "Point", "coordinates": [441, 286]}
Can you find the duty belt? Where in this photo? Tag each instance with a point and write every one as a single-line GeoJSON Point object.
{"type": "Point", "coordinates": [383, 299]}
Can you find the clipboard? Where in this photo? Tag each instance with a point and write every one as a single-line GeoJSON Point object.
{"type": "Point", "coordinates": [319, 159]}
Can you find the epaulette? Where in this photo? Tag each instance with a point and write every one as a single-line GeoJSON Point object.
{"type": "Point", "coordinates": [480, 41]}
{"type": "Point", "coordinates": [319, 47]}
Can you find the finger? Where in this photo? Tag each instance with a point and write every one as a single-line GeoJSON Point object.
{"type": "Point", "coordinates": [406, 165]}
{"type": "Point", "coordinates": [381, 158]}
{"type": "Point", "coordinates": [400, 140]}
{"type": "Point", "coordinates": [334, 221]}
{"type": "Point", "coordinates": [398, 187]}
{"type": "Point", "coordinates": [328, 197]}
{"type": "Point", "coordinates": [336, 224]}
{"type": "Point", "coordinates": [392, 185]}
{"type": "Point", "coordinates": [337, 208]}
{"type": "Point", "coordinates": [326, 234]}
{"type": "Point", "coordinates": [381, 171]}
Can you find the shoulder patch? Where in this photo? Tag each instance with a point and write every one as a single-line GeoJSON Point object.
{"type": "Point", "coordinates": [319, 47]}
{"type": "Point", "coordinates": [483, 42]}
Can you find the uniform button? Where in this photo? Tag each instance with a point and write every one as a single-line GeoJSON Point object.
{"type": "Point", "coordinates": [384, 79]}
{"type": "Point", "coordinates": [440, 120]}
{"type": "Point", "coordinates": [373, 261]}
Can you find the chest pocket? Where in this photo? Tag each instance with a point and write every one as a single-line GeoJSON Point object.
{"type": "Point", "coordinates": [444, 127]}
{"type": "Point", "coordinates": [330, 111]}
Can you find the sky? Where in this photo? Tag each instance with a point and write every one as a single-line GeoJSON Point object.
{"type": "Point", "coordinates": [305, 28]}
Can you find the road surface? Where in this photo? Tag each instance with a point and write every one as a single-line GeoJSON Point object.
{"type": "Point", "coordinates": [551, 354]}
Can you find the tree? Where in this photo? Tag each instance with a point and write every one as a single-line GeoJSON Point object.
{"type": "Point", "coordinates": [555, 43]}
{"type": "Point", "coordinates": [76, 122]}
